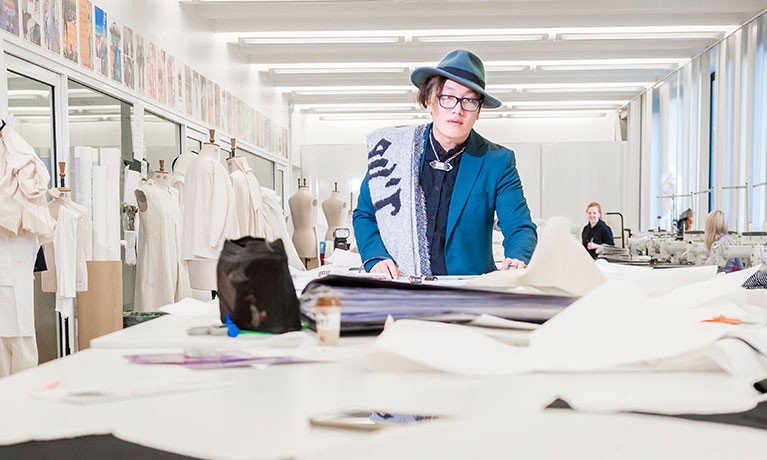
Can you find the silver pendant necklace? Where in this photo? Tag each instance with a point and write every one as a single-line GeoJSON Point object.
{"type": "Point", "coordinates": [442, 165]}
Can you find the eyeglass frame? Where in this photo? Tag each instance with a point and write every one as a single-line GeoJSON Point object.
{"type": "Point", "coordinates": [459, 100]}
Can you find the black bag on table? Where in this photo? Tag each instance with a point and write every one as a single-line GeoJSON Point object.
{"type": "Point", "coordinates": [255, 287]}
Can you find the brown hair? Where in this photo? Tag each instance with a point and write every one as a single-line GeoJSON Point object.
{"type": "Point", "coordinates": [716, 226]}
{"type": "Point", "coordinates": [429, 89]}
{"type": "Point", "coordinates": [597, 205]}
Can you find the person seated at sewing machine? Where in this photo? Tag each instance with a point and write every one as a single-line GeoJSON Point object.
{"type": "Point", "coordinates": [715, 235]}
{"type": "Point", "coordinates": [596, 232]}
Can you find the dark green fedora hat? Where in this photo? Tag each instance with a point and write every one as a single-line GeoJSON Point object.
{"type": "Point", "coordinates": [463, 67]}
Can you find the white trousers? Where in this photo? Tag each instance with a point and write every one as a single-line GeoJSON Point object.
{"type": "Point", "coordinates": [17, 354]}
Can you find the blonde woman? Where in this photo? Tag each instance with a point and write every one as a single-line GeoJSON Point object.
{"type": "Point", "coordinates": [716, 235]}
{"type": "Point", "coordinates": [596, 232]}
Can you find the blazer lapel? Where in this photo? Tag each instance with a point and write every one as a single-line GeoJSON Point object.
{"type": "Point", "coordinates": [468, 171]}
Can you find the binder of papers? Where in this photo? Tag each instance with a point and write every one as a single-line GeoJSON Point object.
{"type": "Point", "coordinates": [366, 303]}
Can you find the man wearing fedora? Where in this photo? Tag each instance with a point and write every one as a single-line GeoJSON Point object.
{"type": "Point", "coordinates": [427, 204]}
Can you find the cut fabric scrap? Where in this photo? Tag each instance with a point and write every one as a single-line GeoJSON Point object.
{"type": "Point", "coordinates": [559, 265]}
{"type": "Point", "coordinates": [412, 345]}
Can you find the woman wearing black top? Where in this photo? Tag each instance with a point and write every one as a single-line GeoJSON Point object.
{"type": "Point", "coordinates": [596, 232]}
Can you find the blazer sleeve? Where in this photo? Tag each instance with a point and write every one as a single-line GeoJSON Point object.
{"type": "Point", "coordinates": [519, 232]}
{"type": "Point", "coordinates": [369, 242]}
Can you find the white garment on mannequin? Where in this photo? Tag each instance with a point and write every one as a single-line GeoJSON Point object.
{"type": "Point", "coordinates": [334, 208]}
{"type": "Point", "coordinates": [161, 275]}
{"type": "Point", "coordinates": [48, 277]}
{"type": "Point", "coordinates": [208, 216]}
{"type": "Point", "coordinates": [17, 264]}
{"type": "Point", "coordinates": [250, 217]}
{"type": "Point", "coordinates": [65, 255]}
{"type": "Point", "coordinates": [303, 210]}
{"type": "Point", "coordinates": [274, 213]}
{"type": "Point", "coordinates": [207, 206]}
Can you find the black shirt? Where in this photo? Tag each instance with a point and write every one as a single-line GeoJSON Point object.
{"type": "Point", "coordinates": [438, 190]}
{"type": "Point", "coordinates": [598, 234]}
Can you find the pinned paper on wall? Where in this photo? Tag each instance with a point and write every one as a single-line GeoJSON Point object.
{"type": "Point", "coordinates": [138, 131]}
{"type": "Point", "coordinates": [31, 18]}
{"type": "Point", "coordinates": [69, 32]}
{"type": "Point", "coordinates": [52, 26]}
{"type": "Point", "coordinates": [86, 33]}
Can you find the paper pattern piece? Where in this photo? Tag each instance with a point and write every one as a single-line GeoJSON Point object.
{"type": "Point", "coordinates": [99, 213]}
{"type": "Point", "coordinates": [84, 157]}
{"type": "Point", "coordinates": [52, 25]}
{"type": "Point", "coordinates": [151, 70]}
{"type": "Point", "coordinates": [102, 45]}
{"type": "Point", "coordinates": [86, 33]}
{"type": "Point", "coordinates": [110, 160]}
{"type": "Point", "coordinates": [70, 36]}
{"type": "Point", "coordinates": [560, 265]}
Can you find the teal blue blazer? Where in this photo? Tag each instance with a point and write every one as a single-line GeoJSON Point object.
{"type": "Point", "coordinates": [487, 182]}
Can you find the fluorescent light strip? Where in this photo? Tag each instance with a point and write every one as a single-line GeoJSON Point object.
{"type": "Point", "coordinates": [566, 103]}
{"type": "Point", "coordinates": [712, 35]}
{"type": "Point", "coordinates": [331, 70]}
{"type": "Point", "coordinates": [637, 66]}
{"type": "Point", "coordinates": [255, 41]}
{"type": "Point", "coordinates": [346, 92]}
{"type": "Point", "coordinates": [479, 38]}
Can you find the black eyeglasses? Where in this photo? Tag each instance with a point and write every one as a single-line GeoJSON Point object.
{"type": "Point", "coordinates": [469, 104]}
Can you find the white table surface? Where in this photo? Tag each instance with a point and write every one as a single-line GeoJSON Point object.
{"type": "Point", "coordinates": [263, 413]}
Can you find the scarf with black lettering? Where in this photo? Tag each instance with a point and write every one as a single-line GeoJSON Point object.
{"type": "Point", "coordinates": [394, 164]}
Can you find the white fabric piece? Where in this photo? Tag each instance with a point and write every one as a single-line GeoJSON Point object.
{"type": "Point", "coordinates": [559, 265]}
{"type": "Point", "coordinates": [208, 207]}
{"type": "Point", "coordinates": [48, 277]}
{"type": "Point", "coordinates": [65, 255]}
{"type": "Point", "coordinates": [110, 159]}
{"type": "Point", "coordinates": [279, 227]}
{"type": "Point", "coordinates": [161, 276]}
{"type": "Point", "coordinates": [17, 354]}
{"type": "Point", "coordinates": [17, 263]}
{"type": "Point", "coordinates": [192, 307]}
{"type": "Point", "coordinates": [24, 179]}
{"type": "Point", "coordinates": [100, 237]}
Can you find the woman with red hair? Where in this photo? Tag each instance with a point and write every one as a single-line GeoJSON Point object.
{"type": "Point", "coordinates": [596, 232]}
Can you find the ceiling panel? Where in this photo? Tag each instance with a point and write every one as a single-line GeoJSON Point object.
{"type": "Point", "coordinates": [300, 45]}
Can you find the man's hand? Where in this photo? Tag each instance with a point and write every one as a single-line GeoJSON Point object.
{"type": "Point", "coordinates": [386, 266]}
{"type": "Point", "coordinates": [512, 263]}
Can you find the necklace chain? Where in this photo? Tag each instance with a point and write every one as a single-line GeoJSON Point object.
{"type": "Point", "coordinates": [446, 162]}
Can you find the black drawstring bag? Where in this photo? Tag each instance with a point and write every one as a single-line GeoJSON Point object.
{"type": "Point", "coordinates": [255, 288]}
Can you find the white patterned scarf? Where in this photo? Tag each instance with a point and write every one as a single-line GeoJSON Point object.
{"type": "Point", "coordinates": [394, 164]}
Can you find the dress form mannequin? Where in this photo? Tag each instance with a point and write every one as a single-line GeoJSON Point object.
{"type": "Point", "coordinates": [161, 276]}
{"type": "Point", "coordinates": [303, 210]}
{"type": "Point", "coordinates": [334, 208]}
